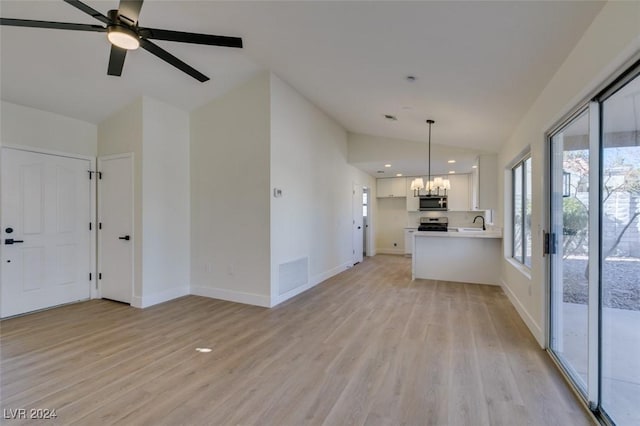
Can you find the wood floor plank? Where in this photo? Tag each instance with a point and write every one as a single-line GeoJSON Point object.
{"type": "Point", "coordinates": [368, 346]}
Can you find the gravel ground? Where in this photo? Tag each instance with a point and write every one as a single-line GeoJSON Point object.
{"type": "Point", "coordinates": [620, 278]}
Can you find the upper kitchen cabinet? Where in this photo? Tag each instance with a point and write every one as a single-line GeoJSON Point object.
{"type": "Point", "coordinates": [391, 187]}
{"type": "Point", "coordinates": [413, 203]}
{"type": "Point", "coordinates": [460, 194]}
{"type": "Point", "coordinates": [487, 169]}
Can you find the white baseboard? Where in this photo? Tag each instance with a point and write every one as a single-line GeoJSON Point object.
{"type": "Point", "coordinates": [389, 251]}
{"type": "Point", "coordinates": [317, 279]}
{"type": "Point", "coordinates": [313, 281]}
{"type": "Point", "coordinates": [532, 325]}
{"type": "Point", "coordinates": [160, 297]}
{"type": "Point", "coordinates": [232, 296]}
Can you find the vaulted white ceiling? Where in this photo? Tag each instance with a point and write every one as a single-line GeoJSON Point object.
{"type": "Point", "coordinates": [478, 65]}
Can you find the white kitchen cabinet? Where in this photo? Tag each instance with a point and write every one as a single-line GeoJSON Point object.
{"type": "Point", "coordinates": [487, 181]}
{"type": "Point", "coordinates": [413, 203]}
{"type": "Point", "coordinates": [408, 240]}
{"type": "Point", "coordinates": [391, 187]}
{"type": "Point", "coordinates": [459, 196]}
{"type": "Point", "coordinates": [460, 193]}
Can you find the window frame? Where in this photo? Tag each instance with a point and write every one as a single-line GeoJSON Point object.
{"type": "Point", "coordinates": [521, 164]}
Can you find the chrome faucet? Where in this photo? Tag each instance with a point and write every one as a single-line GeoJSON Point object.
{"type": "Point", "coordinates": [484, 228]}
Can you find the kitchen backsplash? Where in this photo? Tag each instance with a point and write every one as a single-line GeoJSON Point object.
{"type": "Point", "coordinates": [456, 218]}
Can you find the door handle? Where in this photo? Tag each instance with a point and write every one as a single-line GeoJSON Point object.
{"type": "Point", "coordinates": [126, 237]}
{"type": "Point", "coordinates": [9, 241]}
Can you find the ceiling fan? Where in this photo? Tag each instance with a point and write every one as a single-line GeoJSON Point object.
{"type": "Point", "coordinates": [124, 34]}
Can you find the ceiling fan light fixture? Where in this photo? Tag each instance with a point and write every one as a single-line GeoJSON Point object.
{"type": "Point", "coordinates": [123, 37]}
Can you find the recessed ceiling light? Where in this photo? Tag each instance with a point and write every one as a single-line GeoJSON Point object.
{"type": "Point", "coordinates": [474, 167]}
{"type": "Point", "coordinates": [451, 172]}
{"type": "Point", "coordinates": [387, 165]}
{"type": "Point", "coordinates": [398, 174]}
{"type": "Point", "coordinates": [451, 161]}
{"type": "Point", "coordinates": [203, 350]}
{"type": "Point", "coordinates": [411, 78]}
{"type": "Point", "coordinates": [380, 171]}
{"type": "Point", "coordinates": [391, 117]}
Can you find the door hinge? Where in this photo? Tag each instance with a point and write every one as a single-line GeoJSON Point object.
{"type": "Point", "coordinates": [99, 225]}
{"type": "Point", "coordinates": [99, 275]}
{"type": "Point", "coordinates": [91, 172]}
{"type": "Point", "coordinates": [90, 276]}
{"type": "Point", "coordinates": [90, 226]}
{"type": "Point", "coordinates": [99, 175]}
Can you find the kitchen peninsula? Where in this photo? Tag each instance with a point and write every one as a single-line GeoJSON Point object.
{"type": "Point", "coordinates": [460, 256]}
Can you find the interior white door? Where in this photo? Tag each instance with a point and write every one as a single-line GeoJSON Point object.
{"type": "Point", "coordinates": [358, 225]}
{"type": "Point", "coordinates": [115, 233]}
{"type": "Point", "coordinates": [46, 240]}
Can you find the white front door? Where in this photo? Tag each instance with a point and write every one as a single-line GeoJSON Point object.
{"type": "Point", "coordinates": [115, 233]}
{"type": "Point", "coordinates": [46, 240]}
{"type": "Point", "coordinates": [358, 225]}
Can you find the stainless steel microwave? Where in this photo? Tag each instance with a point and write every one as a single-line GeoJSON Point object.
{"type": "Point", "coordinates": [433, 202]}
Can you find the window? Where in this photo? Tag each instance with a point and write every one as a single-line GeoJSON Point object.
{"type": "Point", "coordinates": [365, 196]}
{"type": "Point", "coordinates": [521, 214]}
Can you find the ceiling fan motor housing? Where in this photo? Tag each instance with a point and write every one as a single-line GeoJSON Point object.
{"type": "Point", "coordinates": [120, 33]}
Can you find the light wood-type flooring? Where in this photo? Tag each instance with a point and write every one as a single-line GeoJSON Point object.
{"type": "Point", "coordinates": [368, 346]}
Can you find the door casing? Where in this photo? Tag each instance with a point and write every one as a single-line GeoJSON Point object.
{"type": "Point", "coordinates": [101, 260]}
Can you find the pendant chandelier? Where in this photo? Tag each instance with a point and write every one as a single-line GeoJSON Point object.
{"type": "Point", "coordinates": [430, 186]}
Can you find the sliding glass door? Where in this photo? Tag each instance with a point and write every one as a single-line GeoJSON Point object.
{"type": "Point", "coordinates": [594, 250]}
{"type": "Point", "coordinates": [570, 247]}
{"type": "Point", "coordinates": [620, 264]}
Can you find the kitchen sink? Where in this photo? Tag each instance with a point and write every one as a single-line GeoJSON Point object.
{"type": "Point", "coordinates": [470, 230]}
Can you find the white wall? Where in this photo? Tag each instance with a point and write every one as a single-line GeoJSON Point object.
{"type": "Point", "coordinates": [612, 38]}
{"type": "Point", "coordinates": [122, 133]}
{"type": "Point", "coordinates": [166, 217]}
{"type": "Point", "coordinates": [368, 148]}
{"type": "Point", "coordinates": [392, 218]}
{"type": "Point", "coordinates": [230, 195]}
{"type": "Point", "coordinates": [30, 127]}
{"type": "Point", "coordinates": [313, 218]}
{"type": "Point", "coordinates": [158, 136]}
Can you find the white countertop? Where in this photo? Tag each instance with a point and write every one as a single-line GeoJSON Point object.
{"type": "Point", "coordinates": [456, 234]}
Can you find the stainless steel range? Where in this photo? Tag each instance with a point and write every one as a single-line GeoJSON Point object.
{"type": "Point", "coordinates": [437, 224]}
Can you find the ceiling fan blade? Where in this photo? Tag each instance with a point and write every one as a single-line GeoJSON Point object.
{"type": "Point", "coordinates": [51, 24]}
{"type": "Point", "coordinates": [130, 9]}
{"type": "Point", "coordinates": [116, 60]}
{"type": "Point", "coordinates": [168, 57]}
{"type": "Point", "coordinates": [88, 10]}
{"type": "Point", "coordinates": [212, 40]}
